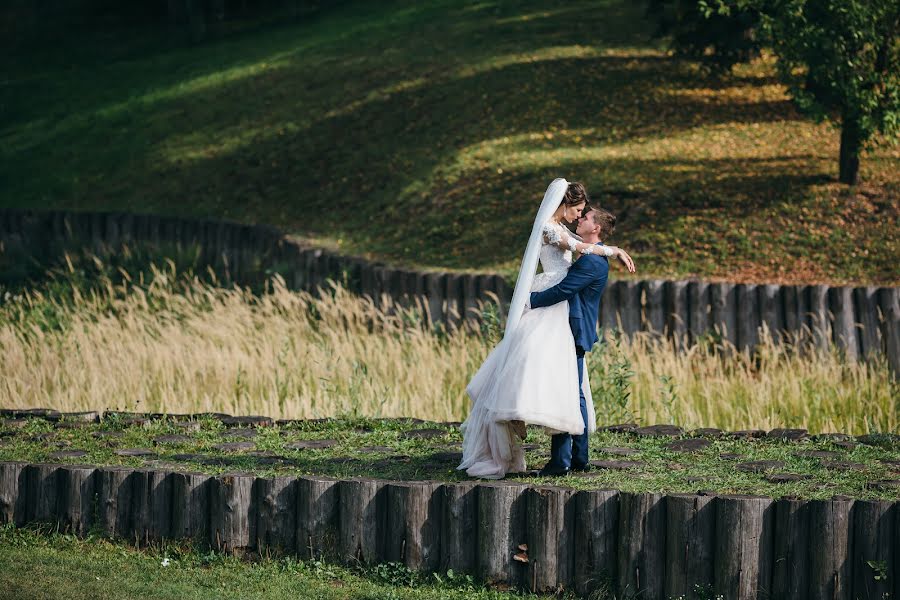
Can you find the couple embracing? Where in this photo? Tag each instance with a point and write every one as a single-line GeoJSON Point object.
{"type": "Point", "coordinates": [536, 375]}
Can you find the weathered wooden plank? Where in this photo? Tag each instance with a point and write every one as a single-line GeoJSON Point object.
{"type": "Point", "coordinates": [501, 530]}
{"type": "Point", "coordinates": [889, 305]}
{"type": "Point", "coordinates": [655, 310]}
{"type": "Point", "coordinates": [771, 311]}
{"type": "Point", "coordinates": [793, 319]}
{"type": "Point", "coordinates": [362, 520]}
{"type": "Point", "coordinates": [233, 513]}
{"type": "Point", "coordinates": [723, 311]}
{"type": "Point", "coordinates": [454, 297]}
{"type": "Point", "coordinates": [744, 546]}
{"type": "Point", "coordinates": [115, 501]}
{"type": "Point", "coordinates": [191, 506]}
{"type": "Point", "coordinates": [642, 545]}
{"type": "Point", "coordinates": [413, 535]}
{"type": "Point", "coordinates": [78, 494]}
{"type": "Point", "coordinates": [436, 286]}
{"type": "Point", "coordinates": [676, 299]}
{"type": "Point", "coordinates": [699, 316]}
{"type": "Point", "coordinates": [873, 546]}
{"type": "Point", "coordinates": [865, 302]}
{"type": "Point", "coordinates": [459, 521]}
{"type": "Point", "coordinates": [819, 321]}
{"type": "Point", "coordinates": [829, 543]}
{"type": "Point", "coordinates": [748, 318]}
{"type": "Point", "coordinates": [276, 519]}
{"type": "Point", "coordinates": [13, 496]}
{"type": "Point", "coordinates": [790, 573]}
{"type": "Point", "coordinates": [840, 302]}
{"type": "Point", "coordinates": [317, 517]}
{"type": "Point", "coordinates": [690, 544]}
{"type": "Point", "coordinates": [609, 307]}
{"type": "Point", "coordinates": [629, 306]}
{"type": "Point", "coordinates": [551, 535]}
{"type": "Point", "coordinates": [43, 487]}
{"type": "Point", "coordinates": [596, 540]}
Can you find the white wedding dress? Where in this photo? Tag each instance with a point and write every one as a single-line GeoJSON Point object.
{"type": "Point", "coordinates": [531, 376]}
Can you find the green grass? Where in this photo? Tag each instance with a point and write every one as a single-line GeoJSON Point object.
{"type": "Point", "coordinates": [35, 565]}
{"type": "Point", "coordinates": [426, 133]}
{"type": "Point", "coordinates": [382, 449]}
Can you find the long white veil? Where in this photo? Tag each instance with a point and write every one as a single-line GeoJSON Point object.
{"type": "Point", "coordinates": [552, 199]}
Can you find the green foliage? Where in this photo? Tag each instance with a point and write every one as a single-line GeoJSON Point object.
{"type": "Point", "coordinates": [611, 389]}
{"type": "Point", "coordinates": [840, 60]}
{"type": "Point", "coordinates": [719, 41]}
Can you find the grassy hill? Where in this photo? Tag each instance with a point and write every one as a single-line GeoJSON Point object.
{"type": "Point", "coordinates": [425, 133]}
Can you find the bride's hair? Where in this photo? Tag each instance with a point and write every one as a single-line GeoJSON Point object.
{"type": "Point", "coordinates": [575, 194]}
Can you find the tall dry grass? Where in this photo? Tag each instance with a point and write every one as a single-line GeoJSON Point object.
{"type": "Point", "coordinates": [177, 344]}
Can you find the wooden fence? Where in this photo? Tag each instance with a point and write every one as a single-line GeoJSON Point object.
{"type": "Point", "coordinates": [863, 321]}
{"type": "Point", "coordinates": [539, 538]}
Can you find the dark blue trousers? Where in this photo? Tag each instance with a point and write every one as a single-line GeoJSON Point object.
{"type": "Point", "coordinates": [566, 450]}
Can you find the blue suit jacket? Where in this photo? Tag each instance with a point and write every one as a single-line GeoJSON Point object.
{"type": "Point", "coordinates": [583, 287]}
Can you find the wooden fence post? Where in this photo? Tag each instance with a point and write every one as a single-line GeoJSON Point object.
{"type": "Point", "coordinates": [747, 316]}
{"type": "Point", "coordinates": [642, 544]}
{"type": "Point", "coordinates": [609, 307]}
{"type": "Point", "coordinates": [501, 531]}
{"type": "Point", "coordinates": [115, 501]}
{"type": "Point", "coordinates": [889, 304]}
{"type": "Point", "coordinates": [459, 522]}
{"type": "Point", "coordinates": [865, 300]}
{"type": "Point", "coordinates": [819, 322]}
{"type": "Point", "coordinates": [698, 309]}
{"type": "Point", "coordinates": [771, 311]}
{"type": "Point", "coordinates": [43, 489]}
{"type": "Point", "coordinates": [676, 299]}
{"type": "Point", "coordinates": [13, 499]}
{"type": "Point", "coordinates": [317, 517]}
{"type": "Point", "coordinates": [233, 513]}
{"type": "Point", "coordinates": [550, 533]}
{"type": "Point", "coordinates": [276, 519]}
{"type": "Point", "coordinates": [840, 301]}
{"type": "Point", "coordinates": [790, 572]}
{"type": "Point", "coordinates": [413, 530]}
{"type": "Point", "coordinates": [744, 547]}
{"type": "Point", "coordinates": [723, 311]}
{"type": "Point", "coordinates": [191, 506]}
{"type": "Point", "coordinates": [629, 301]}
{"type": "Point", "coordinates": [77, 497]}
{"type": "Point", "coordinates": [656, 309]}
{"type": "Point", "coordinates": [829, 549]}
{"type": "Point", "coordinates": [690, 544]}
{"type": "Point", "coordinates": [362, 520]}
{"type": "Point", "coordinates": [874, 547]}
{"type": "Point", "coordinates": [596, 540]}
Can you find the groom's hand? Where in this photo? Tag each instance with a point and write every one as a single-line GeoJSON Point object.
{"type": "Point", "coordinates": [623, 257]}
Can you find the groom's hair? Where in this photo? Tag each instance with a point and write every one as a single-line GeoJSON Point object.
{"type": "Point", "coordinates": [605, 219]}
{"type": "Point", "coordinates": [576, 194]}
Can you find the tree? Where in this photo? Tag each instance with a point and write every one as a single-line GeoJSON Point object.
{"type": "Point", "coordinates": [841, 62]}
{"type": "Point", "coordinates": [718, 41]}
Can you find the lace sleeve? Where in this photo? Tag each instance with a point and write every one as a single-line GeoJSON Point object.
{"type": "Point", "coordinates": [559, 236]}
{"type": "Point", "coordinates": [552, 235]}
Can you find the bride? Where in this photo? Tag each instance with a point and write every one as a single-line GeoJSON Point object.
{"type": "Point", "coordinates": [531, 376]}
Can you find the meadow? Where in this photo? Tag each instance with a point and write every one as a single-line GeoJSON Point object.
{"type": "Point", "coordinates": [425, 134]}
{"type": "Point", "coordinates": [159, 340]}
{"type": "Point", "coordinates": [37, 564]}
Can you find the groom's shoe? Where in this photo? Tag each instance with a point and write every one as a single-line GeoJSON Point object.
{"type": "Point", "coordinates": [582, 468]}
{"type": "Point", "coordinates": [553, 471]}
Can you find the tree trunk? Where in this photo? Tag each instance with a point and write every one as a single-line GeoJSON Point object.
{"type": "Point", "coordinates": [851, 142]}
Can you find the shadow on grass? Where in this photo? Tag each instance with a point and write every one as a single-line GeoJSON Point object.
{"type": "Point", "coordinates": [423, 133]}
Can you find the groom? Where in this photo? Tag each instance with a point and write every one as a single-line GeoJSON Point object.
{"type": "Point", "coordinates": [582, 287]}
